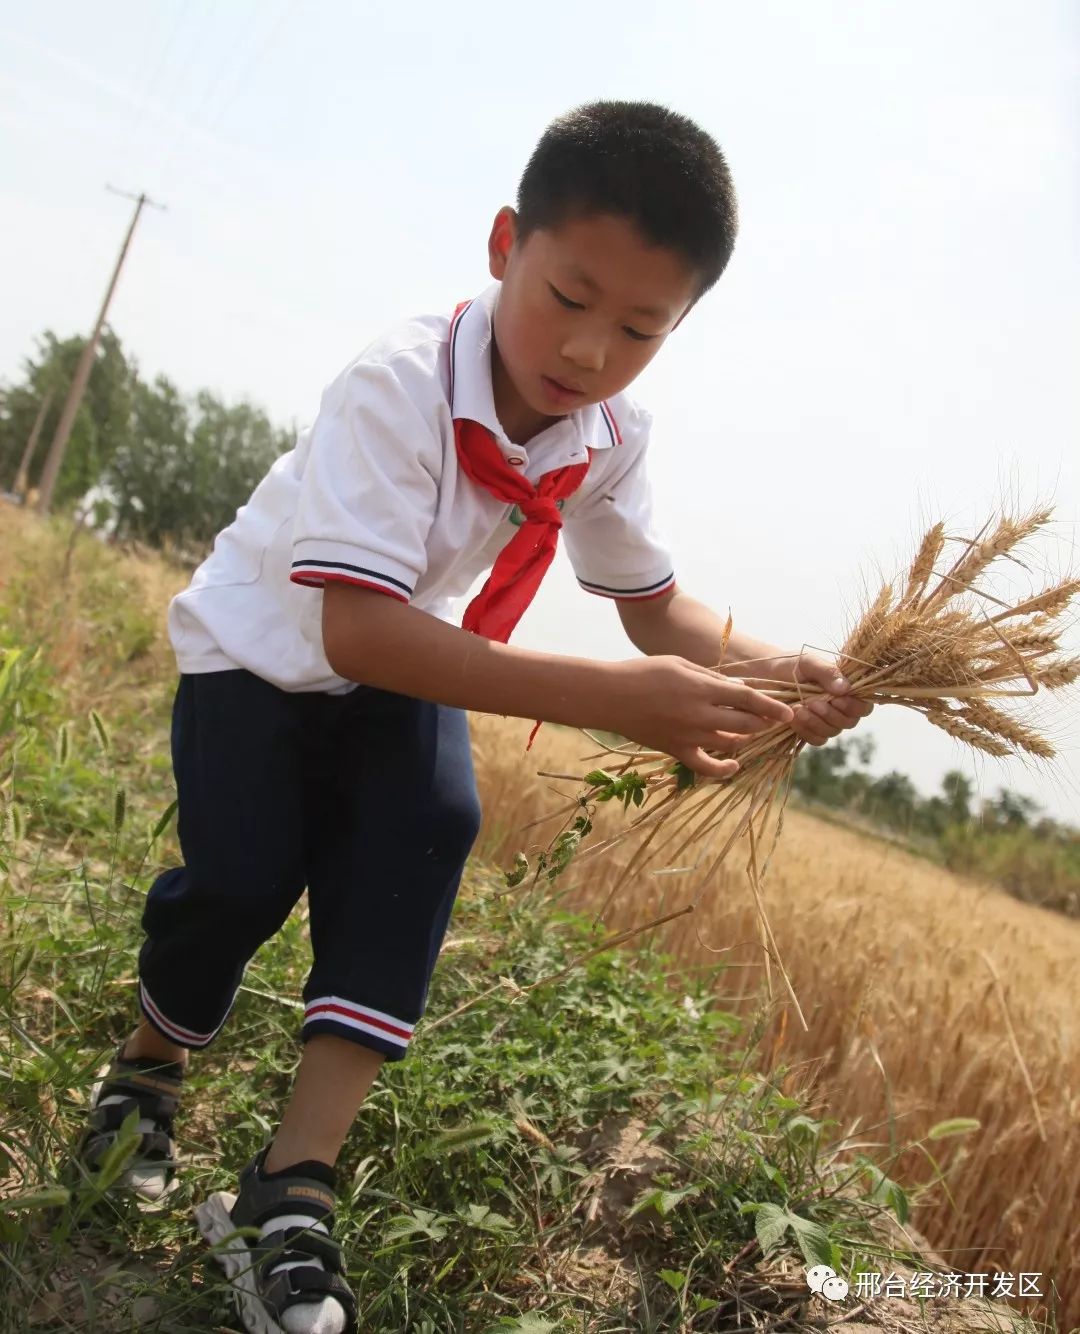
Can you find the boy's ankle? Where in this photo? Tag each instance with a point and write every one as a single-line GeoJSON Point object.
{"type": "Point", "coordinates": [147, 1043]}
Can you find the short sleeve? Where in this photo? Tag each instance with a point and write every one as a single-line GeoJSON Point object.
{"type": "Point", "coordinates": [611, 537]}
{"type": "Point", "coordinates": [368, 486]}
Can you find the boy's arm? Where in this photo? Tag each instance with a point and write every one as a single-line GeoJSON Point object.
{"type": "Point", "coordinates": [678, 623]}
{"type": "Point", "coordinates": [664, 702]}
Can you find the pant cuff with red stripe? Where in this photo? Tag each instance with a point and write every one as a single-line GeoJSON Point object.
{"type": "Point", "coordinates": [366, 799]}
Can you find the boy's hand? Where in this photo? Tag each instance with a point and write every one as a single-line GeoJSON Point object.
{"type": "Point", "coordinates": [681, 709]}
{"type": "Point", "coordinates": [822, 718]}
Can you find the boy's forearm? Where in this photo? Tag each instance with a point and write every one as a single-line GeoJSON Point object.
{"type": "Point", "coordinates": [378, 641]}
{"type": "Point", "coordinates": [683, 626]}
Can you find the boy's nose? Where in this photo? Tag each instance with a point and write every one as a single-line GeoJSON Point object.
{"type": "Point", "coordinates": [588, 355]}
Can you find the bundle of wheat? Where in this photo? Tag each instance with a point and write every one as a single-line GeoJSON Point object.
{"type": "Point", "coordinates": [926, 643]}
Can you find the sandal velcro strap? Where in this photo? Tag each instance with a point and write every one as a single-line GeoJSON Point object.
{"type": "Point", "coordinates": [260, 1199]}
{"type": "Point", "coordinates": [306, 1283]}
{"type": "Point", "coordinates": [154, 1146]}
{"type": "Point", "coordinates": [159, 1106]}
{"type": "Point", "coordinates": [299, 1243]}
{"type": "Point", "coordinates": [112, 1116]}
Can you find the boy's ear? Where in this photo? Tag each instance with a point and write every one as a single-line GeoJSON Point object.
{"type": "Point", "coordinates": [501, 240]}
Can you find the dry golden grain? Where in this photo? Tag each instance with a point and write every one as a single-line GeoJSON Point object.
{"type": "Point", "coordinates": [981, 714]}
{"type": "Point", "coordinates": [854, 651]}
{"type": "Point", "coordinates": [1051, 602]}
{"type": "Point", "coordinates": [1062, 673]}
{"type": "Point", "coordinates": [963, 731]}
{"type": "Point", "coordinates": [922, 567]}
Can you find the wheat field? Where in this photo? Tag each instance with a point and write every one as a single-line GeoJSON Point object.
{"type": "Point", "coordinates": [926, 997]}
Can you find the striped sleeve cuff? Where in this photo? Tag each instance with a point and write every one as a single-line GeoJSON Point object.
{"type": "Point", "coordinates": [315, 562]}
{"type": "Point", "coordinates": [636, 594]}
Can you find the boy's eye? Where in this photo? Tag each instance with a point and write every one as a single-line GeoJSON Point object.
{"type": "Point", "coordinates": [565, 299]}
{"type": "Point", "coordinates": [573, 305]}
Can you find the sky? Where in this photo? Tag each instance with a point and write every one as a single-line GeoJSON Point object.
{"type": "Point", "coordinates": [895, 340]}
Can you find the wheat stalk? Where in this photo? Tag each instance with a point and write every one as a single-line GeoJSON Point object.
{"type": "Point", "coordinates": [936, 652]}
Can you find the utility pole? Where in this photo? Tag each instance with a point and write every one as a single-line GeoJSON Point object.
{"type": "Point", "coordinates": [19, 488]}
{"type": "Point", "coordinates": [82, 371]}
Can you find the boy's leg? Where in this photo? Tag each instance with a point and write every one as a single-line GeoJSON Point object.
{"type": "Point", "coordinates": [238, 746]}
{"type": "Point", "coordinates": [237, 749]}
{"type": "Point", "coordinates": [390, 829]}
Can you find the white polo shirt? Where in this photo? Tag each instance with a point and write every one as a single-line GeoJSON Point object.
{"type": "Point", "coordinates": [373, 494]}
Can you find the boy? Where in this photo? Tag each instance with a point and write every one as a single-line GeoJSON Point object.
{"type": "Point", "coordinates": [324, 680]}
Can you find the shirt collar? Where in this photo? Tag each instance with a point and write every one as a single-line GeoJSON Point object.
{"type": "Point", "coordinates": [472, 396]}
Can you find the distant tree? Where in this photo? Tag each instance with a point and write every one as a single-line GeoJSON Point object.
{"type": "Point", "coordinates": [188, 468]}
{"type": "Point", "coordinates": [102, 424]}
{"type": "Point", "coordinates": [1010, 810]}
{"type": "Point", "coordinates": [959, 791]}
{"type": "Point", "coordinates": [146, 462]}
{"type": "Point", "coordinates": [893, 799]}
{"type": "Point", "coordinates": [822, 773]}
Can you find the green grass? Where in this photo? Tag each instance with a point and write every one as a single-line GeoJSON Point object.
{"type": "Point", "coordinates": [473, 1187]}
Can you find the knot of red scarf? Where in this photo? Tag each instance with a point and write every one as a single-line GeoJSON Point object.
{"type": "Point", "coordinates": [541, 509]}
{"type": "Point", "coordinates": [525, 559]}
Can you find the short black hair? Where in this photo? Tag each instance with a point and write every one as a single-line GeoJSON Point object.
{"type": "Point", "coordinates": [642, 162]}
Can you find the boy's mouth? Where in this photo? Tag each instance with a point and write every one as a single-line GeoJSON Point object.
{"type": "Point", "coordinates": [560, 392]}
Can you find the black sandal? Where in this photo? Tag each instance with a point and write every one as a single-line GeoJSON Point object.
{"type": "Point", "coordinates": [262, 1295]}
{"type": "Point", "coordinates": [151, 1088]}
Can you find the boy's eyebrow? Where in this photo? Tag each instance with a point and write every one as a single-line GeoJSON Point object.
{"type": "Point", "coordinates": [652, 311]}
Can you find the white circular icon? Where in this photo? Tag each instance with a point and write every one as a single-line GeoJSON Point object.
{"type": "Point", "coordinates": [823, 1279]}
{"type": "Point", "coordinates": [817, 1276]}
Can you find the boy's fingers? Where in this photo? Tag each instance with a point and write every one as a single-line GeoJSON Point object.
{"type": "Point", "coordinates": [734, 720]}
{"type": "Point", "coordinates": [754, 701]}
{"type": "Point", "coordinates": [708, 765]}
{"type": "Point", "coordinates": [834, 714]}
{"type": "Point", "coordinates": [813, 730]}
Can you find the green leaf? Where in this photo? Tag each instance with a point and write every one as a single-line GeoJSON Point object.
{"type": "Point", "coordinates": [479, 1215]}
{"type": "Point", "coordinates": [663, 1201]}
{"type": "Point", "coordinates": [803, 1127]}
{"type": "Point", "coordinates": [102, 733]}
{"type": "Point", "coordinates": [684, 776]}
{"type": "Point", "coordinates": [116, 1157]}
{"type": "Point", "coordinates": [159, 828]}
{"type": "Point", "coordinates": [519, 871]}
{"type": "Point", "coordinates": [957, 1125]}
{"type": "Point", "coordinates": [460, 1137]}
{"type": "Point", "coordinates": [814, 1241]}
{"type": "Point", "coordinates": [420, 1221]}
{"type": "Point", "coordinates": [531, 1323]}
{"type": "Point", "coordinates": [770, 1225]}
{"type": "Point", "coordinates": [46, 1197]}
{"type": "Point", "coordinates": [673, 1279]}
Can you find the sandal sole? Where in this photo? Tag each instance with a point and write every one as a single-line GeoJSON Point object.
{"type": "Point", "coordinates": [215, 1224]}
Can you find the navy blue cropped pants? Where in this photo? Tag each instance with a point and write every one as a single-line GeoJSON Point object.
{"type": "Point", "coordinates": [367, 799]}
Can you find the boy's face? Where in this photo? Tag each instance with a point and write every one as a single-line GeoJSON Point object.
{"type": "Point", "coordinates": [602, 339]}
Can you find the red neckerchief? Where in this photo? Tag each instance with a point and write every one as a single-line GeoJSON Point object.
{"type": "Point", "coordinates": [523, 562]}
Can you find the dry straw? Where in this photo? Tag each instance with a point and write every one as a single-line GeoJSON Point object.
{"type": "Point", "coordinates": [935, 641]}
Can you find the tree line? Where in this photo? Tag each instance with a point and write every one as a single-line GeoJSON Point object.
{"type": "Point", "coordinates": [149, 463]}
{"type": "Point", "coordinates": [1005, 838]}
